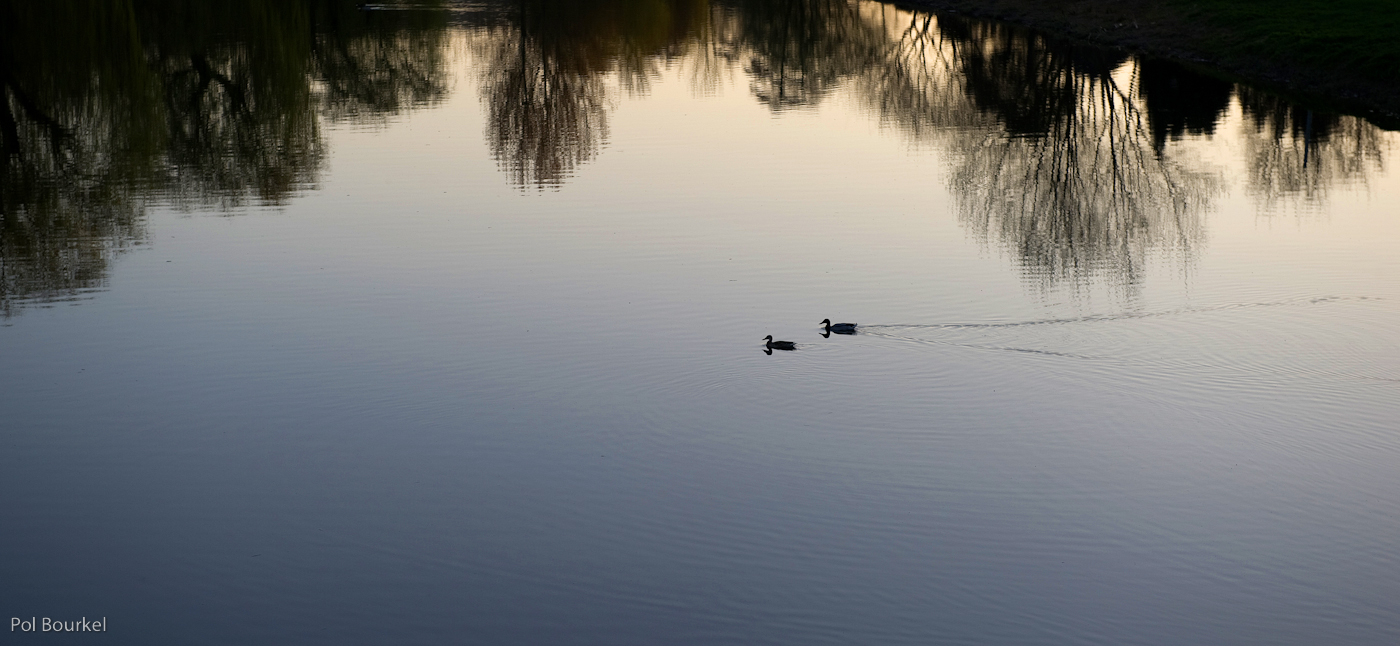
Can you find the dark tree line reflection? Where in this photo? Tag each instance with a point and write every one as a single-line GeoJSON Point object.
{"type": "Point", "coordinates": [1060, 154]}
{"type": "Point", "coordinates": [108, 106]}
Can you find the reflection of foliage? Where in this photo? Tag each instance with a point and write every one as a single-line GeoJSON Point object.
{"type": "Point", "coordinates": [916, 85]}
{"type": "Point", "coordinates": [1055, 159]}
{"type": "Point", "coordinates": [544, 77]}
{"type": "Point", "coordinates": [545, 118]}
{"type": "Point", "coordinates": [76, 105]}
{"type": "Point", "coordinates": [371, 69]}
{"type": "Point", "coordinates": [63, 249]}
{"type": "Point", "coordinates": [1073, 183]}
{"type": "Point", "coordinates": [1296, 154]}
{"type": "Point", "coordinates": [798, 51]}
{"type": "Point", "coordinates": [239, 116]}
{"type": "Point", "coordinates": [1059, 151]}
{"type": "Point", "coordinates": [106, 105]}
{"type": "Point", "coordinates": [1180, 101]}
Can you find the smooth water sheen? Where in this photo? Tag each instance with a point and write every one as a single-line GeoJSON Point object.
{"type": "Point", "coordinates": [442, 324]}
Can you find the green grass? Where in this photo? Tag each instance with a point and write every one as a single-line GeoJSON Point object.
{"type": "Point", "coordinates": [1362, 36]}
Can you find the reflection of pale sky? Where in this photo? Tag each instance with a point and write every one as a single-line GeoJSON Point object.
{"type": "Point", "coordinates": [418, 390]}
{"type": "Point", "coordinates": [813, 193]}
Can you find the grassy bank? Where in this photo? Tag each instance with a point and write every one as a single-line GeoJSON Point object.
{"type": "Point", "coordinates": [1339, 53]}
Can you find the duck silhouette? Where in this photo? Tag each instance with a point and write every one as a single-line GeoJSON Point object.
{"type": "Point", "coordinates": [838, 328]}
{"type": "Point", "coordinates": [777, 345]}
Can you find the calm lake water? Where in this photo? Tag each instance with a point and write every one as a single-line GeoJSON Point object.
{"type": "Point", "coordinates": [443, 323]}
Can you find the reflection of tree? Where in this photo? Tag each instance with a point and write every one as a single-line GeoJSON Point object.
{"type": "Point", "coordinates": [545, 116]}
{"type": "Point", "coordinates": [372, 65]}
{"type": "Point", "coordinates": [238, 113]}
{"type": "Point", "coordinates": [798, 51]}
{"type": "Point", "coordinates": [1055, 159]}
{"type": "Point", "coordinates": [1060, 150]}
{"type": "Point", "coordinates": [1071, 180]}
{"type": "Point", "coordinates": [105, 107]}
{"type": "Point", "coordinates": [1180, 101]}
{"type": "Point", "coordinates": [545, 78]}
{"type": "Point", "coordinates": [1295, 154]}
{"type": "Point", "coordinates": [916, 84]}
{"type": "Point", "coordinates": [63, 249]}
{"type": "Point", "coordinates": [73, 115]}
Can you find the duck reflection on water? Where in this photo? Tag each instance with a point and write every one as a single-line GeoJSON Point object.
{"type": "Point", "coordinates": [772, 345]}
{"type": "Point", "coordinates": [837, 328]}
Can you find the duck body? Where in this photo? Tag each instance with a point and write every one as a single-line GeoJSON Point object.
{"type": "Point", "coordinates": [779, 345]}
{"type": "Point", "coordinates": [839, 328]}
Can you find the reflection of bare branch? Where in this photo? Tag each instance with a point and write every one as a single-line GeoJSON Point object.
{"type": "Point", "coordinates": [1296, 155]}
{"type": "Point", "coordinates": [189, 103]}
{"type": "Point", "coordinates": [73, 146]}
{"type": "Point", "coordinates": [65, 208]}
{"type": "Point", "coordinates": [550, 78]}
{"type": "Point", "coordinates": [234, 129]}
{"type": "Point", "coordinates": [798, 51]}
{"type": "Point", "coordinates": [543, 120]}
{"type": "Point", "coordinates": [63, 249]}
{"type": "Point", "coordinates": [916, 85]}
{"type": "Point", "coordinates": [709, 61]}
{"type": "Point", "coordinates": [1054, 158]}
{"type": "Point", "coordinates": [371, 76]}
{"type": "Point", "coordinates": [1073, 185]}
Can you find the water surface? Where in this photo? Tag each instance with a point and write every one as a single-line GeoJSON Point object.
{"type": "Point", "coordinates": [441, 323]}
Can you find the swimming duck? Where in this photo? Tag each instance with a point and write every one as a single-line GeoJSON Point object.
{"type": "Point", "coordinates": [839, 328]}
{"type": "Point", "coordinates": [778, 345]}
